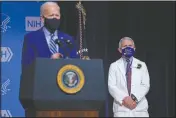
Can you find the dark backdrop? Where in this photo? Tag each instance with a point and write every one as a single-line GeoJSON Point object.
{"type": "Point", "coordinates": [150, 24]}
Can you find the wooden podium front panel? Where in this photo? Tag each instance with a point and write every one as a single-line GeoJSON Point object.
{"type": "Point", "coordinates": [67, 114]}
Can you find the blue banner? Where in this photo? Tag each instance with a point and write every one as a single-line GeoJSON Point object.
{"type": "Point", "coordinates": [17, 18]}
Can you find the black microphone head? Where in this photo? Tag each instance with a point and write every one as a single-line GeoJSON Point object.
{"type": "Point", "coordinates": [58, 42]}
{"type": "Point", "coordinates": [68, 42]}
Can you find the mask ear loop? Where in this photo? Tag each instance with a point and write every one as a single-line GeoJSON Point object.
{"type": "Point", "coordinates": [43, 16]}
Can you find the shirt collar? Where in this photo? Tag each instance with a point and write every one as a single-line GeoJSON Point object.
{"type": "Point", "coordinates": [125, 60]}
{"type": "Point", "coordinates": [47, 33]}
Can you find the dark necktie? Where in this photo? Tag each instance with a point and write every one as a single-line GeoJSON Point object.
{"type": "Point", "coordinates": [128, 76]}
{"type": "Point", "coordinates": [52, 45]}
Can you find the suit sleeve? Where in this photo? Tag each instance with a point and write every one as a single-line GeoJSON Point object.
{"type": "Point", "coordinates": [144, 86]}
{"type": "Point", "coordinates": [114, 90]}
{"type": "Point", "coordinates": [26, 62]}
{"type": "Point", "coordinates": [28, 54]}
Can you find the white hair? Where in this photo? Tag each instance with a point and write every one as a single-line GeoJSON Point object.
{"type": "Point", "coordinates": [42, 8]}
{"type": "Point", "coordinates": [125, 38]}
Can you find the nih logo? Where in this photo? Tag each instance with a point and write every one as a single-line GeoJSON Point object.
{"type": "Point", "coordinates": [33, 23]}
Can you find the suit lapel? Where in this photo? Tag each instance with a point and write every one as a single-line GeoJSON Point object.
{"type": "Point", "coordinates": [43, 41]}
{"type": "Point", "coordinates": [122, 68]}
{"type": "Point", "coordinates": [135, 72]}
{"type": "Point", "coordinates": [134, 63]}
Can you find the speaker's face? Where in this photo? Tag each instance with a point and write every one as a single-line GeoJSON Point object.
{"type": "Point", "coordinates": [51, 11]}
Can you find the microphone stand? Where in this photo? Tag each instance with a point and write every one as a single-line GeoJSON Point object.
{"type": "Point", "coordinates": [59, 43]}
{"type": "Point", "coordinates": [67, 53]}
{"type": "Point", "coordinates": [66, 48]}
{"type": "Point", "coordinates": [70, 46]}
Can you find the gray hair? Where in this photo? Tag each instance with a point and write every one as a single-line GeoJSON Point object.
{"type": "Point", "coordinates": [42, 8]}
{"type": "Point", "coordinates": [125, 38]}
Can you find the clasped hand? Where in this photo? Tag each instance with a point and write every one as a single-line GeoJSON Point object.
{"type": "Point", "coordinates": [129, 103]}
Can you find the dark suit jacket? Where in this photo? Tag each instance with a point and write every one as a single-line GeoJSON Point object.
{"type": "Point", "coordinates": [35, 45]}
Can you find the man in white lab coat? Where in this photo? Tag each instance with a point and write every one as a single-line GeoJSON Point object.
{"type": "Point", "coordinates": [129, 82]}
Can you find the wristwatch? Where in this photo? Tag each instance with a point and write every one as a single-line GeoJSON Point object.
{"type": "Point", "coordinates": [134, 98]}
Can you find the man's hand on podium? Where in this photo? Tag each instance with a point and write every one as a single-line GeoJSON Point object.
{"type": "Point", "coordinates": [56, 56]}
{"type": "Point", "coordinates": [86, 58]}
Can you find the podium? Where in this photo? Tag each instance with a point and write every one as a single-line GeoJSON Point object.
{"type": "Point", "coordinates": [63, 88]}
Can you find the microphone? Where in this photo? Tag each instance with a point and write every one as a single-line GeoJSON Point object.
{"type": "Point", "coordinates": [69, 43]}
{"type": "Point", "coordinates": [58, 42]}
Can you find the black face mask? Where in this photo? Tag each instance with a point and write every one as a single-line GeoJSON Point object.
{"type": "Point", "coordinates": [52, 24]}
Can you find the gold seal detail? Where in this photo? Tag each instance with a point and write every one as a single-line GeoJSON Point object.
{"type": "Point", "coordinates": [70, 79]}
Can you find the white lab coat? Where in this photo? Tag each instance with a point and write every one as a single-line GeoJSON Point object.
{"type": "Point", "coordinates": [140, 84]}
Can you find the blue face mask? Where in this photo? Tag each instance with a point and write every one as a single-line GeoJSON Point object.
{"type": "Point", "coordinates": [128, 52]}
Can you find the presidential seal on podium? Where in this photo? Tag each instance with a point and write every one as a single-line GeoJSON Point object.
{"type": "Point", "coordinates": [70, 79]}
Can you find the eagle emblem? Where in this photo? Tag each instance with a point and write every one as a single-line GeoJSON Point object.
{"type": "Point", "coordinates": [70, 79]}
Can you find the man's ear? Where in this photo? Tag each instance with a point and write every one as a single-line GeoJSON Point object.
{"type": "Point", "coordinates": [60, 15]}
{"type": "Point", "coordinates": [42, 18]}
{"type": "Point", "coordinates": [120, 50]}
{"type": "Point", "coordinates": [134, 47]}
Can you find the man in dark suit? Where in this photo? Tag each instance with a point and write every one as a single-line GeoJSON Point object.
{"type": "Point", "coordinates": [43, 42]}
